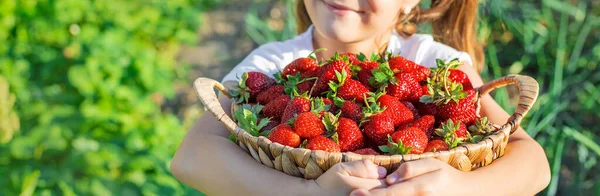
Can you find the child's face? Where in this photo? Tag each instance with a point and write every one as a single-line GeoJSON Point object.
{"type": "Point", "coordinates": [355, 20]}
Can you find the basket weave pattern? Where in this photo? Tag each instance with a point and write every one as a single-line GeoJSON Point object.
{"type": "Point", "coordinates": [310, 164]}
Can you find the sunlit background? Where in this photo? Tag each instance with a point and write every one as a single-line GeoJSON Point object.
{"type": "Point", "coordinates": [95, 95]}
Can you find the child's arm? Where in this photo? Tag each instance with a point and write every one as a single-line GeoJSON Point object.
{"type": "Point", "coordinates": [206, 160]}
{"type": "Point", "coordinates": [523, 170]}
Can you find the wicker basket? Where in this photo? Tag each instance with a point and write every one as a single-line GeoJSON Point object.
{"type": "Point", "coordinates": [310, 164]}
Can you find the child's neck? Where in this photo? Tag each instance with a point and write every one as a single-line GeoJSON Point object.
{"type": "Point", "coordinates": [366, 46]}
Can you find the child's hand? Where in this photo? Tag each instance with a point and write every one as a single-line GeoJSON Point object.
{"type": "Point", "coordinates": [345, 177]}
{"type": "Point", "coordinates": [422, 177]}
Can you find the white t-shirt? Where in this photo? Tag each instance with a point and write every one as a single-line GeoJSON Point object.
{"type": "Point", "coordinates": [273, 57]}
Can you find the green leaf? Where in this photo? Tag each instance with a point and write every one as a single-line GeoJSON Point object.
{"type": "Point", "coordinates": [30, 183]}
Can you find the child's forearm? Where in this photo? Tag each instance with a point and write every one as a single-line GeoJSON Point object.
{"type": "Point", "coordinates": [216, 166]}
{"type": "Point", "coordinates": [524, 168]}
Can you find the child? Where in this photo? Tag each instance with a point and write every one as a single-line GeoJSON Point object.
{"type": "Point", "coordinates": [209, 162]}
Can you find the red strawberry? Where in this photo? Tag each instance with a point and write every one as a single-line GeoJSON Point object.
{"type": "Point", "coordinates": [352, 90]}
{"type": "Point", "coordinates": [352, 111]}
{"type": "Point", "coordinates": [412, 108]}
{"type": "Point", "coordinates": [421, 73]}
{"type": "Point", "coordinates": [366, 151]}
{"type": "Point", "coordinates": [295, 106]}
{"type": "Point", "coordinates": [322, 143]}
{"type": "Point", "coordinates": [453, 134]}
{"type": "Point", "coordinates": [365, 74]}
{"type": "Point", "coordinates": [350, 137]}
{"type": "Point", "coordinates": [379, 127]}
{"type": "Point", "coordinates": [427, 109]}
{"type": "Point", "coordinates": [406, 88]}
{"type": "Point", "coordinates": [275, 107]}
{"type": "Point", "coordinates": [305, 66]}
{"type": "Point", "coordinates": [308, 124]}
{"type": "Point", "coordinates": [284, 135]}
{"type": "Point", "coordinates": [424, 124]}
{"type": "Point", "coordinates": [407, 141]}
{"type": "Point", "coordinates": [436, 146]}
{"type": "Point", "coordinates": [250, 85]}
{"type": "Point", "coordinates": [401, 64]}
{"type": "Point", "coordinates": [351, 58]}
{"type": "Point", "coordinates": [304, 87]}
{"type": "Point", "coordinates": [332, 107]}
{"type": "Point", "coordinates": [464, 110]}
{"type": "Point", "coordinates": [452, 101]}
{"type": "Point", "coordinates": [396, 110]}
{"type": "Point", "coordinates": [270, 94]}
{"type": "Point", "coordinates": [327, 74]}
{"type": "Point", "coordinates": [460, 77]}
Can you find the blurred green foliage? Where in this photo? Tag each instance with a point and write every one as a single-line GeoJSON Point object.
{"type": "Point", "coordinates": [89, 77]}
{"type": "Point", "coordinates": [558, 43]}
{"type": "Point", "coordinates": [9, 121]}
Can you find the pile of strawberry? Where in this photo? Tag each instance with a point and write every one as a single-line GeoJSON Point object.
{"type": "Point", "coordinates": [350, 103]}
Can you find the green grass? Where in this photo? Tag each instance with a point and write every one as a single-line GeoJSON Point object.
{"type": "Point", "coordinates": [557, 43]}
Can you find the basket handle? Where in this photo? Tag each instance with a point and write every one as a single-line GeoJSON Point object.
{"type": "Point", "coordinates": [528, 92]}
{"type": "Point", "coordinates": [205, 90]}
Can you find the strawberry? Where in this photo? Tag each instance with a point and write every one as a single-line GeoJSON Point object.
{"type": "Point", "coordinates": [327, 73]}
{"type": "Point", "coordinates": [453, 134]}
{"type": "Point", "coordinates": [401, 64]}
{"type": "Point", "coordinates": [436, 145]}
{"type": "Point", "coordinates": [351, 58]}
{"type": "Point", "coordinates": [352, 90]}
{"type": "Point", "coordinates": [427, 109]}
{"type": "Point", "coordinates": [250, 85]}
{"type": "Point", "coordinates": [378, 128]}
{"type": "Point", "coordinates": [425, 124]}
{"type": "Point", "coordinates": [305, 66]}
{"type": "Point", "coordinates": [452, 102]}
{"type": "Point", "coordinates": [305, 87]}
{"type": "Point", "coordinates": [421, 73]}
{"type": "Point", "coordinates": [275, 107]}
{"type": "Point", "coordinates": [322, 143]}
{"type": "Point", "coordinates": [308, 124]}
{"type": "Point", "coordinates": [350, 138]}
{"type": "Point", "coordinates": [461, 78]}
{"type": "Point", "coordinates": [347, 89]}
{"type": "Point", "coordinates": [366, 73]}
{"type": "Point", "coordinates": [270, 94]}
{"type": "Point", "coordinates": [406, 141]}
{"type": "Point", "coordinates": [463, 110]}
{"type": "Point", "coordinates": [412, 108]}
{"type": "Point", "coordinates": [396, 110]}
{"type": "Point", "coordinates": [352, 111]}
{"type": "Point", "coordinates": [295, 106]}
{"type": "Point", "coordinates": [366, 151]}
{"type": "Point", "coordinates": [406, 88]}
{"type": "Point", "coordinates": [284, 135]}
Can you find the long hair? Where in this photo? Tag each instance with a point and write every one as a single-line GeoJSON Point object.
{"type": "Point", "coordinates": [453, 23]}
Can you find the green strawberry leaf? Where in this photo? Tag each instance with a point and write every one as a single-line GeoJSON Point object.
{"type": "Point", "coordinates": [361, 57]}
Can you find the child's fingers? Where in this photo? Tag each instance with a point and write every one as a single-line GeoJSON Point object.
{"type": "Point", "coordinates": [364, 183]}
{"type": "Point", "coordinates": [421, 185]}
{"type": "Point", "coordinates": [361, 169]}
{"type": "Point", "coordinates": [413, 169]}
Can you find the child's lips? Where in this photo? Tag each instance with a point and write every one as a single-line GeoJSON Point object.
{"type": "Point", "coordinates": [340, 9]}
